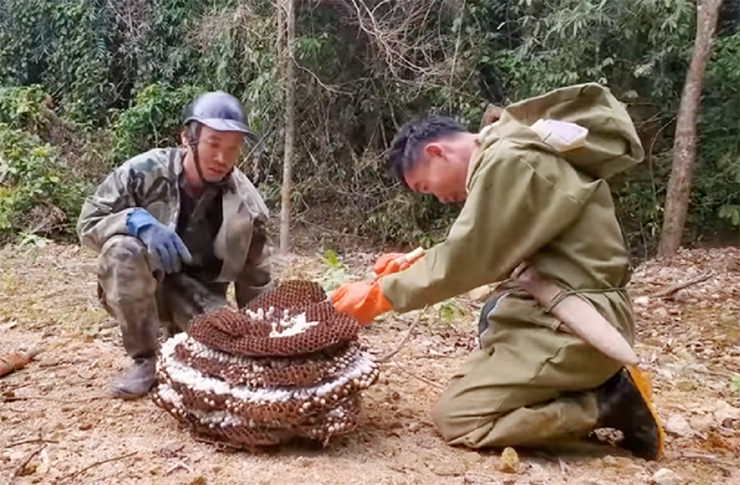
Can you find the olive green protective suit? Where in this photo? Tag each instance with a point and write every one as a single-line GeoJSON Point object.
{"type": "Point", "coordinates": [532, 383]}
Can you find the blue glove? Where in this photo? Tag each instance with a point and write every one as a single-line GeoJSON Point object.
{"type": "Point", "coordinates": [162, 243]}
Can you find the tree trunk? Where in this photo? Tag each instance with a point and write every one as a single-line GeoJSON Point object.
{"type": "Point", "coordinates": [684, 146]}
{"type": "Point", "coordinates": [287, 16]}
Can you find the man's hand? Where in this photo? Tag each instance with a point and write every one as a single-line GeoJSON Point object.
{"type": "Point", "coordinates": [387, 264]}
{"type": "Point", "coordinates": [162, 243]}
{"type": "Point", "coordinates": [361, 300]}
{"type": "Point", "coordinates": [390, 263]}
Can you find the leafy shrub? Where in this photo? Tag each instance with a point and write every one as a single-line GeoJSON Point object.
{"type": "Point", "coordinates": [153, 120]}
{"type": "Point", "coordinates": [37, 191]}
{"type": "Point", "coordinates": [22, 107]}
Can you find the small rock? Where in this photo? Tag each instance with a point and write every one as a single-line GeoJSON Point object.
{"type": "Point", "coordinates": [471, 457]}
{"type": "Point", "coordinates": [684, 355]}
{"type": "Point", "coordinates": [660, 313]}
{"type": "Point", "coordinates": [702, 423]}
{"type": "Point", "coordinates": [641, 300]}
{"type": "Point", "coordinates": [724, 411]}
{"type": "Point", "coordinates": [406, 412]}
{"type": "Point", "coordinates": [198, 481]}
{"type": "Point", "coordinates": [107, 332]}
{"type": "Point", "coordinates": [685, 385]}
{"type": "Point", "coordinates": [47, 387]}
{"type": "Point", "coordinates": [42, 468]}
{"type": "Point", "coordinates": [677, 425]}
{"type": "Point", "coordinates": [85, 426]}
{"type": "Point", "coordinates": [414, 426]}
{"type": "Point", "coordinates": [509, 462]}
{"type": "Point", "coordinates": [610, 461]}
{"type": "Point", "coordinates": [446, 469]}
{"type": "Point", "coordinates": [682, 295]}
{"type": "Point", "coordinates": [665, 476]}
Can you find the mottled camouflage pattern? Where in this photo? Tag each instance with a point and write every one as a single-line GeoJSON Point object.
{"type": "Point", "coordinates": [150, 180]}
{"type": "Point", "coordinates": [130, 288]}
{"type": "Point", "coordinates": [143, 299]}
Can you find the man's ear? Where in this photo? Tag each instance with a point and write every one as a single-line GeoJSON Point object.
{"type": "Point", "coordinates": [433, 150]}
{"type": "Point", "coordinates": [184, 138]}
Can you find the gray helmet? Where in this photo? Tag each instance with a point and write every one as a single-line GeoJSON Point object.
{"type": "Point", "coordinates": [219, 111]}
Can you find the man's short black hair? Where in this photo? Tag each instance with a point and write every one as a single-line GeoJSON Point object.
{"type": "Point", "coordinates": [406, 147]}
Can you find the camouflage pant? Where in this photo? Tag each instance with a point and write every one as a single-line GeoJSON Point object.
{"type": "Point", "coordinates": [143, 300]}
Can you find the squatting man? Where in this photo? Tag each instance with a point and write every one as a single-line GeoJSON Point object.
{"type": "Point", "coordinates": [528, 199]}
{"type": "Point", "coordinates": [173, 228]}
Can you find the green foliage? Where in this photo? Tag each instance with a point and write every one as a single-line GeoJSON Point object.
{"type": "Point", "coordinates": [640, 48]}
{"type": "Point", "coordinates": [21, 107]}
{"type": "Point", "coordinates": [35, 188]}
{"type": "Point", "coordinates": [62, 45]}
{"type": "Point", "coordinates": [718, 182]}
{"type": "Point", "coordinates": [335, 274]}
{"type": "Point", "coordinates": [154, 120]}
{"type": "Point", "coordinates": [735, 382]}
{"type": "Point", "coordinates": [78, 73]}
{"type": "Point", "coordinates": [451, 312]}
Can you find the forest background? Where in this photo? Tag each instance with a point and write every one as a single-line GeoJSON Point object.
{"type": "Point", "coordinates": [86, 84]}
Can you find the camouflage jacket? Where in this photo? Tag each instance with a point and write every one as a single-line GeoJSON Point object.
{"type": "Point", "coordinates": [150, 181]}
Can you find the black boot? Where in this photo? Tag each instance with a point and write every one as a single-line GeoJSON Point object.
{"type": "Point", "coordinates": [624, 404]}
{"type": "Point", "coordinates": [136, 381]}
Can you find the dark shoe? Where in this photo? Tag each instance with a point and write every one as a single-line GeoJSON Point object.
{"type": "Point", "coordinates": [625, 405]}
{"type": "Point", "coordinates": [135, 382]}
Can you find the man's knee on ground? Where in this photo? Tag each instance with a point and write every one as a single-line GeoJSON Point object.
{"type": "Point", "coordinates": [448, 416]}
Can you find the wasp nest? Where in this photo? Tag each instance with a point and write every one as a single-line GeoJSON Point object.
{"type": "Point", "coordinates": [287, 365]}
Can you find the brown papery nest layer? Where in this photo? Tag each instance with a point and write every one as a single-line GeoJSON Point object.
{"type": "Point", "coordinates": [286, 366]}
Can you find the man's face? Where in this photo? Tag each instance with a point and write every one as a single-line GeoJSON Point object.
{"type": "Point", "coordinates": [442, 170]}
{"type": "Point", "coordinates": [218, 152]}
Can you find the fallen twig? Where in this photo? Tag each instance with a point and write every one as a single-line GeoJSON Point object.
{"type": "Point", "coordinates": [22, 466]}
{"type": "Point", "coordinates": [101, 462]}
{"type": "Point", "coordinates": [680, 286]}
{"type": "Point", "coordinates": [403, 341]}
{"type": "Point", "coordinates": [25, 442]}
{"type": "Point", "coordinates": [712, 458]}
{"type": "Point", "coordinates": [43, 398]}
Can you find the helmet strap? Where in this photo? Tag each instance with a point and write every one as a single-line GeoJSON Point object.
{"type": "Point", "coordinates": [193, 133]}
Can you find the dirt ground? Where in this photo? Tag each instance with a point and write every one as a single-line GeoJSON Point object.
{"type": "Point", "coordinates": [58, 425]}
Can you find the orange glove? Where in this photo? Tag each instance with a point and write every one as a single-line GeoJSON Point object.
{"type": "Point", "coordinates": [387, 264]}
{"type": "Point", "coordinates": [361, 300]}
